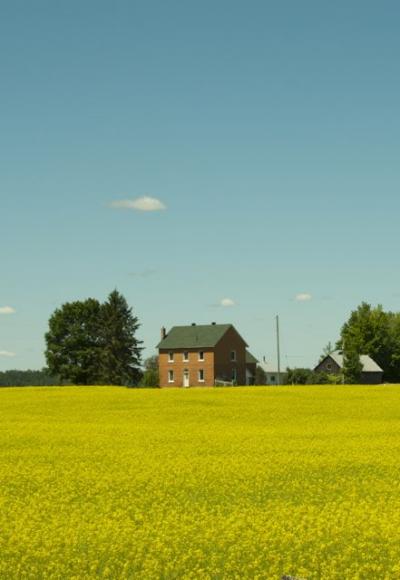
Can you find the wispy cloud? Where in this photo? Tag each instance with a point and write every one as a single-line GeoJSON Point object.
{"type": "Point", "coordinates": [226, 302]}
{"type": "Point", "coordinates": [303, 297]}
{"type": "Point", "coordinates": [144, 203]}
{"type": "Point", "coordinates": [223, 303]}
{"type": "Point", "coordinates": [7, 353]}
{"type": "Point", "coordinates": [7, 310]}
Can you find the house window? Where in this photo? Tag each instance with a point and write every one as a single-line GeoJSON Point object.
{"type": "Point", "coordinates": [233, 355]}
{"type": "Point", "coordinates": [234, 375]}
{"type": "Point", "coordinates": [201, 376]}
{"type": "Point", "coordinates": [328, 366]}
{"type": "Point", "coordinates": [170, 376]}
{"type": "Point", "coordinates": [201, 355]}
{"type": "Point", "coordinates": [170, 357]}
{"type": "Point", "coordinates": [185, 356]}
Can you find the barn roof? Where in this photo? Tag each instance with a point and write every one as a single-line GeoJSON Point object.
{"type": "Point", "coordinates": [368, 364]}
{"type": "Point", "coordinates": [250, 359]}
{"type": "Point", "coordinates": [195, 336]}
{"type": "Point", "coordinates": [271, 367]}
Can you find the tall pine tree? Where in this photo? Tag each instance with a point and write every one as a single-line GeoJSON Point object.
{"type": "Point", "coordinates": [120, 349]}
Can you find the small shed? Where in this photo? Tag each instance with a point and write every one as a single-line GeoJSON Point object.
{"type": "Point", "coordinates": [371, 374]}
{"type": "Point", "coordinates": [272, 376]}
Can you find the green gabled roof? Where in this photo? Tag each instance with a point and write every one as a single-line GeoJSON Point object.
{"type": "Point", "coordinates": [250, 359]}
{"type": "Point", "coordinates": [194, 336]}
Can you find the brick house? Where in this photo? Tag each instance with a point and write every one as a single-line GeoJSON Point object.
{"type": "Point", "coordinates": [371, 374]}
{"type": "Point", "coordinates": [199, 355]}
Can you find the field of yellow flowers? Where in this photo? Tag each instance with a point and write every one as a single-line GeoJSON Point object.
{"type": "Point", "coordinates": [101, 482]}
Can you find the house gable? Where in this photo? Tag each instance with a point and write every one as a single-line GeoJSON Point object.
{"type": "Point", "coordinates": [225, 366]}
{"type": "Point", "coordinates": [328, 365]}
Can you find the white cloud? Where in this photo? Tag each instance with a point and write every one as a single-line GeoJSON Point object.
{"type": "Point", "coordinates": [303, 297]}
{"type": "Point", "coordinates": [227, 302]}
{"type": "Point", "coordinates": [7, 310]}
{"type": "Point", "coordinates": [7, 353]}
{"type": "Point", "coordinates": [145, 203]}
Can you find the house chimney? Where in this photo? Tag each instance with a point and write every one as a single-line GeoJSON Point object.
{"type": "Point", "coordinates": [163, 333]}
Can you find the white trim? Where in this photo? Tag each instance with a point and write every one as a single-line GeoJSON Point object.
{"type": "Point", "coordinates": [171, 374]}
{"type": "Point", "coordinates": [171, 358]}
{"type": "Point", "coordinates": [198, 376]}
{"type": "Point", "coordinates": [184, 358]}
{"type": "Point", "coordinates": [201, 352]}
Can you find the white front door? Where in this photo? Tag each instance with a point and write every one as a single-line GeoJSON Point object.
{"type": "Point", "coordinates": [185, 378]}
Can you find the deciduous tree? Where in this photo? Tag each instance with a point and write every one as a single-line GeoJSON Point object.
{"type": "Point", "coordinates": [73, 342]}
{"type": "Point", "coordinates": [352, 366]}
{"type": "Point", "coordinates": [151, 374]}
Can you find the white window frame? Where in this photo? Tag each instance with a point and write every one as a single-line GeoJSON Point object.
{"type": "Point", "coordinates": [233, 355]}
{"type": "Point", "coordinates": [201, 371]}
{"type": "Point", "coordinates": [184, 357]}
{"type": "Point", "coordinates": [171, 357]}
{"type": "Point", "coordinates": [201, 352]}
{"type": "Point", "coordinates": [171, 378]}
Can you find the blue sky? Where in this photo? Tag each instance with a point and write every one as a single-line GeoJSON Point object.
{"type": "Point", "coordinates": [270, 132]}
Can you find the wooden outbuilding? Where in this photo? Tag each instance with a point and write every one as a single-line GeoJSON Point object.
{"type": "Point", "coordinates": [371, 374]}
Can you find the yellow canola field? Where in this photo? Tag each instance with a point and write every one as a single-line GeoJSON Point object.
{"type": "Point", "coordinates": [102, 482]}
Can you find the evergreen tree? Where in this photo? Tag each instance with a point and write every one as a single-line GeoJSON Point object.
{"type": "Point", "coordinates": [120, 349]}
{"type": "Point", "coordinates": [327, 350]}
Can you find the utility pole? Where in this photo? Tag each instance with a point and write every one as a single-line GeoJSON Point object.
{"type": "Point", "coordinates": [278, 350]}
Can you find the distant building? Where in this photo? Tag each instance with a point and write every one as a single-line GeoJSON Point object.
{"type": "Point", "coordinates": [201, 355]}
{"type": "Point", "coordinates": [372, 374]}
{"type": "Point", "coordinates": [271, 373]}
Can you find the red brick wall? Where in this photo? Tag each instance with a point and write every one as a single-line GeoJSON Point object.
{"type": "Point", "coordinates": [223, 364]}
{"type": "Point", "coordinates": [193, 366]}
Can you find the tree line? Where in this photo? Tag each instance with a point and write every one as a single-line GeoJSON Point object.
{"type": "Point", "coordinates": [31, 378]}
{"type": "Point", "coordinates": [375, 332]}
{"type": "Point", "coordinates": [91, 343]}
{"type": "Point", "coordinates": [95, 343]}
{"type": "Point", "coordinates": [369, 330]}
